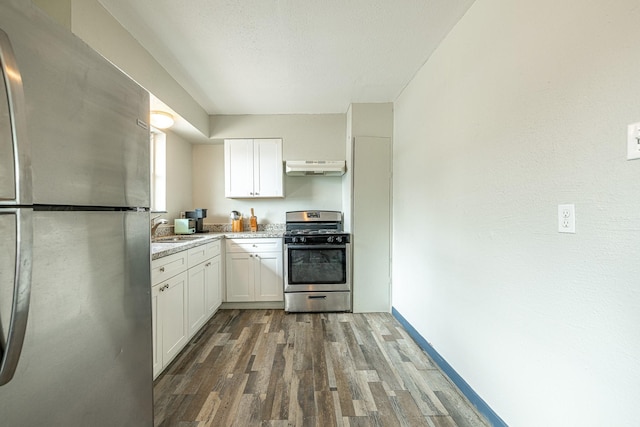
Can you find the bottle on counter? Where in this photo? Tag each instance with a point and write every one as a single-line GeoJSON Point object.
{"type": "Point", "coordinates": [253, 222]}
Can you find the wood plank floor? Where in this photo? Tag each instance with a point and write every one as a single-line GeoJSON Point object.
{"type": "Point", "coordinates": [268, 368]}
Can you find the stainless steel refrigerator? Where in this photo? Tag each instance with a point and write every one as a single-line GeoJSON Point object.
{"type": "Point", "coordinates": [75, 310]}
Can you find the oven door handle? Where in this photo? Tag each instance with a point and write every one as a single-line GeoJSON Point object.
{"type": "Point", "coordinates": [316, 246]}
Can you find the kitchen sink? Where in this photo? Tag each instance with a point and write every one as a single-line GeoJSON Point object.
{"type": "Point", "coordinates": [175, 239]}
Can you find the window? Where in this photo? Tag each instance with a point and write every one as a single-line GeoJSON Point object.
{"type": "Point", "coordinates": [158, 156]}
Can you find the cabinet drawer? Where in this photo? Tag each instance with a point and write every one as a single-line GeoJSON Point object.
{"type": "Point", "coordinates": [169, 266]}
{"type": "Point", "coordinates": [254, 245]}
{"type": "Point", "coordinates": [203, 252]}
{"type": "Point", "coordinates": [197, 255]}
{"type": "Point", "coordinates": [213, 249]}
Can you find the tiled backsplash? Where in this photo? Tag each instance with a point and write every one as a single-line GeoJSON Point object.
{"type": "Point", "coordinates": [226, 227]}
{"type": "Point", "coordinates": [167, 230]}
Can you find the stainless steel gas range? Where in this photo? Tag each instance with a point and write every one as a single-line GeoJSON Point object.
{"type": "Point", "coordinates": [317, 262]}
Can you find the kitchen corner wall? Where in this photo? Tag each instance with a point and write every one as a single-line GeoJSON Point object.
{"type": "Point", "coordinates": [524, 106]}
{"type": "Point", "coordinates": [305, 137]}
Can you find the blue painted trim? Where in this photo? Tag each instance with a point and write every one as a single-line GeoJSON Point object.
{"type": "Point", "coordinates": [465, 388]}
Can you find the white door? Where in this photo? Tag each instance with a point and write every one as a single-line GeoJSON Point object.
{"type": "Point", "coordinates": [268, 276]}
{"type": "Point", "coordinates": [173, 316]}
{"type": "Point", "coordinates": [267, 155]}
{"type": "Point", "coordinates": [371, 226]}
{"type": "Point", "coordinates": [238, 167]}
{"type": "Point", "coordinates": [239, 276]}
{"type": "Point", "coordinates": [213, 283]}
{"type": "Point", "coordinates": [196, 297]}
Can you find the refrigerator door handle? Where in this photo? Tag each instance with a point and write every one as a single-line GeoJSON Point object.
{"type": "Point", "coordinates": [11, 347]}
{"type": "Point", "coordinates": [20, 144]}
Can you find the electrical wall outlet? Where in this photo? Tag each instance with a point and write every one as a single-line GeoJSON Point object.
{"type": "Point", "coordinates": [633, 141]}
{"type": "Point", "coordinates": [566, 218]}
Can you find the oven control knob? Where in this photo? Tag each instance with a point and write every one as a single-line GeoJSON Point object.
{"type": "Point", "coordinates": [303, 239]}
{"type": "Point", "coordinates": [330, 239]}
{"type": "Point", "coordinates": [339, 239]}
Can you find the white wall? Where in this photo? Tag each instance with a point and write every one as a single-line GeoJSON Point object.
{"type": "Point", "coordinates": [179, 176]}
{"type": "Point", "coordinates": [59, 10]}
{"type": "Point", "coordinates": [305, 137]}
{"type": "Point", "coordinates": [524, 106]}
{"type": "Point", "coordinates": [373, 119]}
{"type": "Point", "coordinates": [313, 192]}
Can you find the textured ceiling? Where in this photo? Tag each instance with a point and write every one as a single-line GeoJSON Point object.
{"type": "Point", "coordinates": [289, 56]}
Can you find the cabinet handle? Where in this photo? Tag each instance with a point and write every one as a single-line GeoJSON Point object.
{"type": "Point", "coordinates": [250, 256]}
{"type": "Point", "coordinates": [11, 347]}
{"type": "Point", "coordinates": [257, 194]}
{"type": "Point", "coordinates": [161, 269]}
{"type": "Point", "coordinates": [208, 264]}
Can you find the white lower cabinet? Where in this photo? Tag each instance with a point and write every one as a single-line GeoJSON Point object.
{"type": "Point", "coordinates": [182, 303]}
{"type": "Point", "coordinates": [169, 320]}
{"type": "Point", "coordinates": [214, 287]}
{"type": "Point", "coordinates": [197, 313]}
{"type": "Point", "coordinates": [254, 270]}
{"type": "Point", "coordinates": [205, 292]}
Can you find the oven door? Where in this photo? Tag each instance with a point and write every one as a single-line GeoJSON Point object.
{"type": "Point", "coordinates": [319, 267]}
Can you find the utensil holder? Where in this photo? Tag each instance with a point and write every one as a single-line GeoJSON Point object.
{"type": "Point", "coordinates": [236, 225]}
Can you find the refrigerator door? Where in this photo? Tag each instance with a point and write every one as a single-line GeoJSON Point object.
{"type": "Point", "coordinates": [86, 358]}
{"type": "Point", "coordinates": [85, 119]}
{"type": "Point", "coordinates": [15, 151]}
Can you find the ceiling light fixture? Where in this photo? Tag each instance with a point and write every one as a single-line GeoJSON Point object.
{"type": "Point", "coordinates": [161, 119]}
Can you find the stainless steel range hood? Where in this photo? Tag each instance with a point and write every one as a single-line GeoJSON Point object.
{"type": "Point", "coordinates": [315, 167]}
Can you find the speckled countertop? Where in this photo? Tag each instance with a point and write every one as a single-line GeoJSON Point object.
{"type": "Point", "coordinates": [159, 250]}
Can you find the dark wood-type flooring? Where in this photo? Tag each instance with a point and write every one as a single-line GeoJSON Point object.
{"type": "Point", "coordinates": [268, 368]}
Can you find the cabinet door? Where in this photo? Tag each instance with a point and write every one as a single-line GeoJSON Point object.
{"type": "Point", "coordinates": [196, 298]}
{"type": "Point", "coordinates": [240, 276]}
{"type": "Point", "coordinates": [156, 331]}
{"type": "Point", "coordinates": [267, 164]}
{"type": "Point", "coordinates": [172, 314]}
{"type": "Point", "coordinates": [238, 168]}
{"type": "Point", "coordinates": [269, 285]}
{"type": "Point", "coordinates": [213, 284]}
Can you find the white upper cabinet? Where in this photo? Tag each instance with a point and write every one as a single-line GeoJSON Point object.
{"type": "Point", "coordinates": [253, 168]}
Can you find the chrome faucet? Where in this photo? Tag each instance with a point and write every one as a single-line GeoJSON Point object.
{"type": "Point", "coordinates": [155, 225]}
